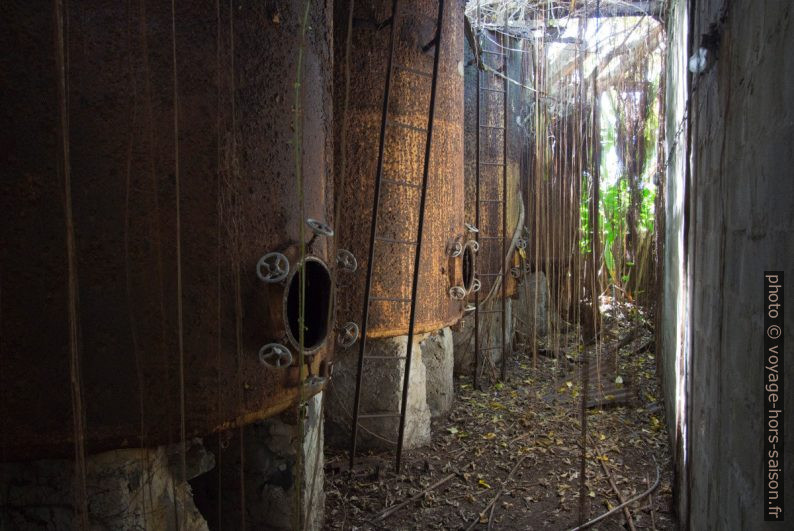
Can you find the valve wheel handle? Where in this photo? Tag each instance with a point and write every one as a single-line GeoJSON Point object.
{"type": "Point", "coordinates": [346, 261]}
{"type": "Point", "coordinates": [457, 293]}
{"type": "Point", "coordinates": [471, 228]}
{"type": "Point", "coordinates": [476, 285]}
{"type": "Point", "coordinates": [348, 334]}
{"type": "Point", "coordinates": [275, 355]}
{"type": "Point", "coordinates": [469, 308]}
{"type": "Point", "coordinates": [320, 228]}
{"type": "Point", "coordinates": [272, 267]}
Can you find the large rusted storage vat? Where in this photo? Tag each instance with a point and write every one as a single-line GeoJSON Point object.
{"type": "Point", "coordinates": [167, 234]}
{"type": "Point", "coordinates": [404, 150]}
{"type": "Point", "coordinates": [492, 154]}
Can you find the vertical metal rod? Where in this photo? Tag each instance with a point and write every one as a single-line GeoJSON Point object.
{"type": "Point", "coordinates": [477, 362]}
{"type": "Point", "coordinates": [505, 244]}
{"type": "Point", "coordinates": [372, 232]}
{"type": "Point", "coordinates": [418, 253]}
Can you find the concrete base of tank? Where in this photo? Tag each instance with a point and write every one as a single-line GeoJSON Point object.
{"type": "Point", "coordinates": [243, 478]}
{"type": "Point", "coordinates": [124, 489]}
{"type": "Point", "coordinates": [525, 314]}
{"type": "Point", "coordinates": [259, 474]}
{"type": "Point", "coordinates": [531, 308]}
{"type": "Point", "coordinates": [381, 393]}
{"type": "Point", "coordinates": [490, 336]}
{"type": "Point", "coordinates": [439, 360]}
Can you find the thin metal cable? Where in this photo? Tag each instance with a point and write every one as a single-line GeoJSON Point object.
{"type": "Point", "coordinates": [297, 141]}
{"type": "Point", "coordinates": [75, 371]}
{"type": "Point", "coordinates": [180, 334]}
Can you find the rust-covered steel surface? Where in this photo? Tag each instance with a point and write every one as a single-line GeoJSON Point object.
{"type": "Point", "coordinates": [491, 254]}
{"type": "Point", "coordinates": [403, 160]}
{"type": "Point", "coordinates": [237, 200]}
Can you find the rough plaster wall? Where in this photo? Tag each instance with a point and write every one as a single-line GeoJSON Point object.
{"type": "Point", "coordinates": [740, 224]}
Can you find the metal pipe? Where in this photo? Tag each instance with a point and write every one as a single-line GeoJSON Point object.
{"type": "Point", "coordinates": [477, 224]}
{"type": "Point", "coordinates": [504, 206]}
{"type": "Point", "coordinates": [417, 256]}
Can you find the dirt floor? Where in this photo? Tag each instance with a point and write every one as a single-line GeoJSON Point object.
{"type": "Point", "coordinates": [513, 451]}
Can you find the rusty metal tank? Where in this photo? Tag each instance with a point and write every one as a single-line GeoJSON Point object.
{"type": "Point", "coordinates": [182, 176]}
{"type": "Point", "coordinates": [491, 254]}
{"type": "Point", "coordinates": [444, 221]}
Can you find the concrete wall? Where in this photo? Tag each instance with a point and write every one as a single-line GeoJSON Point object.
{"type": "Point", "coordinates": [672, 326]}
{"type": "Point", "coordinates": [732, 215]}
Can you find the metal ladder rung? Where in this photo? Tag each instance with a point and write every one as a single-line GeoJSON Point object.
{"type": "Point", "coordinates": [406, 126]}
{"type": "Point", "coordinates": [388, 299]}
{"type": "Point", "coordinates": [396, 182]}
{"type": "Point", "coordinates": [377, 415]}
{"type": "Point", "coordinates": [403, 12]}
{"type": "Point", "coordinates": [413, 71]}
{"type": "Point", "coordinates": [384, 357]}
{"type": "Point", "coordinates": [392, 240]}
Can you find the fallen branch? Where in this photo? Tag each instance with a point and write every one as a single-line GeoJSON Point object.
{"type": "Point", "coordinates": [650, 504]}
{"type": "Point", "coordinates": [495, 498]}
{"type": "Point", "coordinates": [621, 499]}
{"type": "Point", "coordinates": [620, 507]}
{"type": "Point", "coordinates": [400, 505]}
